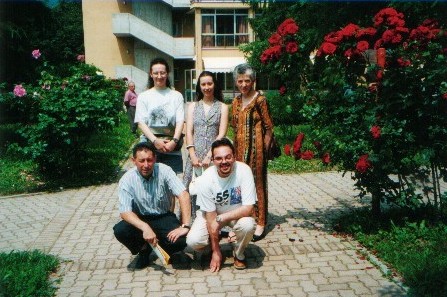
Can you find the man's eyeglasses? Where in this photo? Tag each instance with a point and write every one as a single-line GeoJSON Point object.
{"type": "Point", "coordinates": [226, 158]}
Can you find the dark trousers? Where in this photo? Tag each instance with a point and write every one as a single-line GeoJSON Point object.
{"type": "Point", "coordinates": [131, 117]}
{"type": "Point", "coordinates": [132, 237]}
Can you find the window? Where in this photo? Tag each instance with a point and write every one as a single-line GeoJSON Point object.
{"type": "Point", "coordinates": [224, 28]}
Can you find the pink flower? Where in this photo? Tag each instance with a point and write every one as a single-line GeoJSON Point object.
{"type": "Point", "coordinates": [19, 91]}
{"type": "Point", "coordinates": [375, 131]}
{"type": "Point", "coordinates": [36, 54]}
{"type": "Point", "coordinates": [363, 164]}
{"type": "Point", "coordinates": [307, 155]}
{"type": "Point", "coordinates": [326, 159]}
{"type": "Point", "coordinates": [292, 47]}
{"type": "Point", "coordinates": [282, 90]}
{"type": "Point", "coordinates": [80, 58]}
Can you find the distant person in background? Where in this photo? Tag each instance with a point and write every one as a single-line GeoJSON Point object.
{"type": "Point", "coordinates": [160, 115]}
{"type": "Point", "coordinates": [206, 121]}
{"type": "Point", "coordinates": [130, 101]}
{"type": "Point", "coordinates": [253, 128]}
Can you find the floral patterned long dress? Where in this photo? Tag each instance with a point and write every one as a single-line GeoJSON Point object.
{"type": "Point", "coordinates": [206, 129]}
{"type": "Point", "coordinates": [250, 124]}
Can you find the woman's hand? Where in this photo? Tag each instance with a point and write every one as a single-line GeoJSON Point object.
{"type": "Point", "coordinates": [206, 161]}
{"type": "Point", "coordinates": [170, 146]}
{"type": "Point", "coordinates": [195, 161]}
{"type": "Point", "coordinates": [160, 145]}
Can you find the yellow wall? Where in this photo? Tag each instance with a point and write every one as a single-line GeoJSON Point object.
{"type": "Point", "coordinates": [101, 46]}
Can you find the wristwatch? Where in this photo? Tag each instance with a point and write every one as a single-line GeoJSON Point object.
{"type": "Point", "coordinates": [176, 140]}
{"type": "Point", "coordinates": [218, 219]}
{"type": "Point", "coordinates": [187, 226]}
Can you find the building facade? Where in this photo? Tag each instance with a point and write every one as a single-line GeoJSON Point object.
{"type": "Point", "coordinates": [122, 37]}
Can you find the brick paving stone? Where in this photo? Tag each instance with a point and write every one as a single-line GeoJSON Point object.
{"type": "Point", "coordinates": [298, 257]}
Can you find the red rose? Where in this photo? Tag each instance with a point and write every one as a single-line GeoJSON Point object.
{"type": "Point", "coordinates": [349, 30]}
{"type": "Point", "coordinates": [307, 155]}
{"type": "Point", "coordinates": [333, 37]}
{"type": "Point", "coordinates": [379, 75]}
{"type": "Point", "coordinates": [328, 48]}
{"type": "Point", "coordinates": [287, 149]}
{"type": "Point", "coordinates": [292, 47]}
{"type": "Point", "coordinates": [282, 90]}
{"type": "Point", "coordinates": [366, 32]}
{"type": "Point", "coordinates": [326, 159]}
{"type": "Point", "coordinates": [297, 145]}
{"type": "Point", "coordinates": [288, 27]}
{"type": "Point", "coordinates": [403, 62]}
{"type": "Point", "coordinates": [375, 131]}
{"type": "Point", "coordinates": [363, 164]}
{"type": "Point", "coordinates": [275, 39]}
{"type": "Point", "coordinates": [362, 46]}
{"type": "Point", "coordinates": [444, 96]}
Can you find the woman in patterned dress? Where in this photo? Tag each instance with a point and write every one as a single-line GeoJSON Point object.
{"type": "Point", "coordinates": [253, 128]}
{"type": "Point", "coordinates": [206, 121]}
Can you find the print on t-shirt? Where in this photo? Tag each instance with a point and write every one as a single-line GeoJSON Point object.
{"type": "Point", "coordinates": [233, 196]}
{"type": "Point", "coordinates": [159, 117]}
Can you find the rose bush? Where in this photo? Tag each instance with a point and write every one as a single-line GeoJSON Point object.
{"type": "Point", "coordinates": [386, 125]}
{"type": "Point", "coordinates": [375, 96]}
{"type": "Point", "coordinates": [61, 114]}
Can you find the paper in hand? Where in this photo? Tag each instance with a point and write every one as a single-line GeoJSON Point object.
{"type": "Point", "coordinates": [161, 254]}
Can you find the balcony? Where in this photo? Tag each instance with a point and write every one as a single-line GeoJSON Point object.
{"type": "Point", "coordinates": [128, 25]}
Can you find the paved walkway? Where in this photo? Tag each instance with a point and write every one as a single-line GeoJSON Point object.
{"type": "Point", "coordinates": [299, 256]}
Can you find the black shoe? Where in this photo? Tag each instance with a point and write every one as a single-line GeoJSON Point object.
{"type": "Point", "coordinates": [142, 261]}
{"type": "Point", "coordinates": [258, 237]}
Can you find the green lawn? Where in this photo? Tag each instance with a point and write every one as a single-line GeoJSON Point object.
{"type": "Point", "coordinates": [28, 274]}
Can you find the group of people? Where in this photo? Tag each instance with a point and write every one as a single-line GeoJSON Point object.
{"type": "Point", "coordinates": [232, 189]}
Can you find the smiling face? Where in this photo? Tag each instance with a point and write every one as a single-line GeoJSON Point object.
{"type": "Point", "coordinates": [223, 159]}
{"type": "Point", "coordinates": [144, 160]}
{"type": "Point", "coordinates": [159, 75]}
{"type": "Point", "coordinates": [207, 86]}
{"type": "Point", "coordinates": [244, 83]}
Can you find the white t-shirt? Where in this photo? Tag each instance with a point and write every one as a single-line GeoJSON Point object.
{"type": "Point", "coordinates": [225, 194]}
{"type": "Point", "coordinates": [160, 110]}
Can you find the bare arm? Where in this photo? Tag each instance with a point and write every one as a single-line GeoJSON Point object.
{"type": "Point", "coordinates": [213, 230]}
{"type": "Point", "coordinates": [185, 207]}
{"type": "Point", "coordinates": [190, 136]}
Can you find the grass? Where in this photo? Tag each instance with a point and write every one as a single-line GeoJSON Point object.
{"type": "Point", "coordinates": [415, 246]}
{"type": "Point", "coordinates": [27, 274]}
{"type": "Point", "coordinates": [100, 164]}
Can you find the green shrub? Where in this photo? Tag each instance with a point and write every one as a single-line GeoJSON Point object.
{"type": "Point", "coordinates": [62, 115]}
{"type": "Point", "coordinates": [26, 274]}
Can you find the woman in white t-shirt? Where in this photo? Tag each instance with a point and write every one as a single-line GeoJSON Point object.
{"type": "Point", "coordinates": [160, 116]}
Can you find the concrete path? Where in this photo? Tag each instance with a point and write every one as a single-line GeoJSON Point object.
{"type": "Point", "coordinates": [299, 256]}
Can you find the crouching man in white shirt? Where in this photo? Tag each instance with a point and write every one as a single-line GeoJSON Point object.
{"type": "Point", "coordinates": [226, 197]}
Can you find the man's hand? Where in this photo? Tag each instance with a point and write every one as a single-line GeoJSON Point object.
{"type": "Point", "coordinates": [149, 236]}
{"type": "Point", "coordinates": [216, 260]}
{"type": "Point", "coordinates": [176, 233]}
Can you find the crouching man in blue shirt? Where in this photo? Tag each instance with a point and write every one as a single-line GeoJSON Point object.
{"type": "Point", "coordinates": [144, 205]}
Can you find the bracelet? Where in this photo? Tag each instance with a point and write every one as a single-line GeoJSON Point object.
{"type": "Point", "coordinates": [153, 141]}
{"type": "Point", "coordinates": [189, 146]}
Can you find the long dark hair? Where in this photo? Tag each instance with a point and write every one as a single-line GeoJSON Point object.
{"type": "Point", "coordinates": [162, 62]}
{"type": "Point", "coordinates": [217, 89]}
